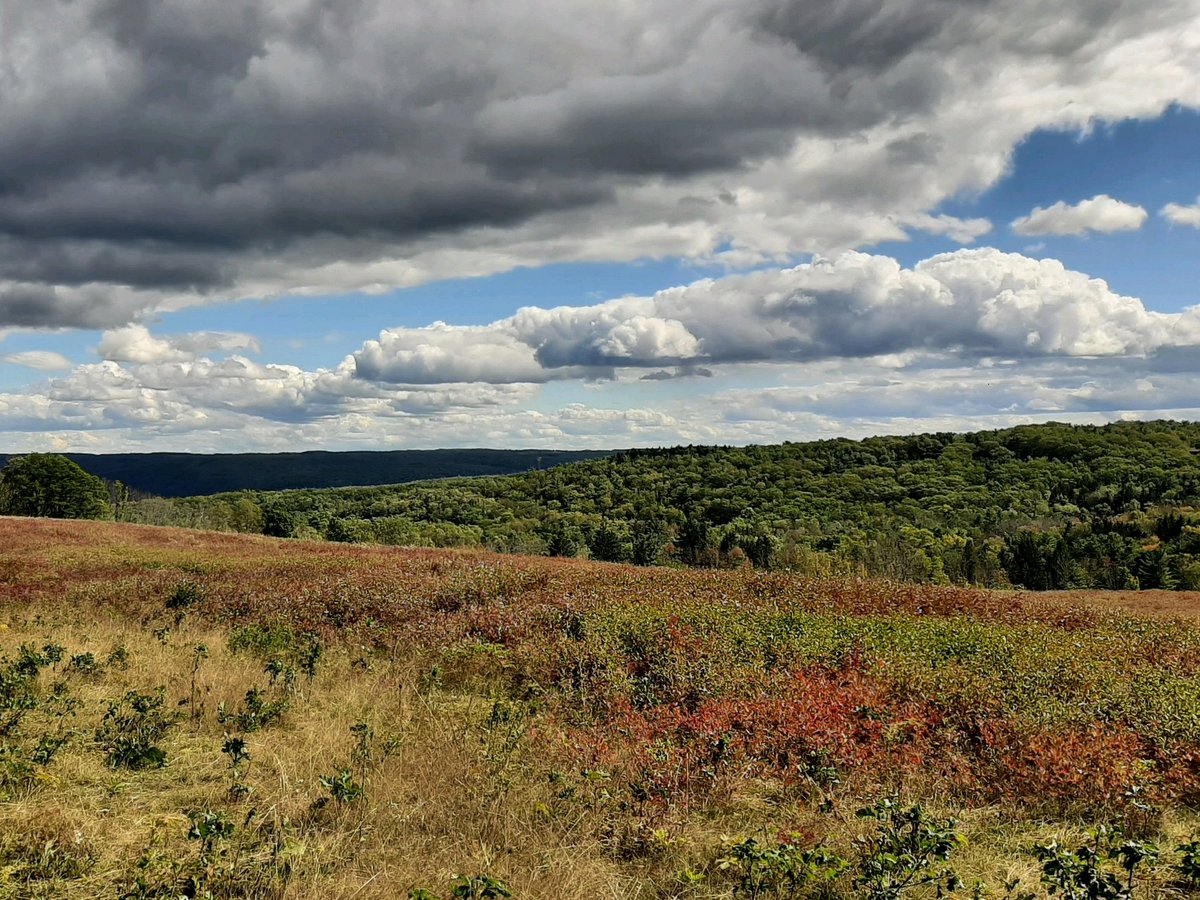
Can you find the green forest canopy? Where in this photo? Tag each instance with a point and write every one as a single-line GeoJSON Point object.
{"type": "Point", "coordinates": [1038, 506]}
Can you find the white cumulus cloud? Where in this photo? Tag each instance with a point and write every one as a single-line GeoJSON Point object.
{"type": "Point", "coordinates": [1182, 215]}
{"type": "Point", "coordinates": [135, 343]}
{"type": "Point", "coordinates": [968, 303]}
{"type": "Point", "coordinates": [1101, 214]}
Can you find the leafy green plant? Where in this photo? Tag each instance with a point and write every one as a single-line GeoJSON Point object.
{"type": "Point", "coordinates": [363, 753]}
{"type": "Point", "coordinates": [780, 869]}
{"type": "Point", "coordinates": [262, 640]}
{"type": "Point", "coordinates": [1130, 855]}
{"type": "Point", "coordinates": [85, 664]}
{"type": "Point", "coordinates": [118, 657]}
{"type": "Point", "coordinates": [235, 748]}
{"type": "Point", "coordinates": [280, 673]}
{"type": "Point", "coordinates": [1077, 874]}
{"type": "Point", "coordinates": [186, 595]}
{"type": "Point", "coordinates": [250, 860]}
{"type": "Point", "coordinates": [905, 851]}
{"type": "Point", "coordinates": [256, 711]}
{"type": "Point", "coordinates": [45, 749]}
{"type": "Point", "coordinates": [208, 827]}
{"type": "Point", "coordinates": [29, 661]}
{"type": "Point", "coordinates": [1080, 874]}
{"type": "Point", "coordinates": [1189, 863]}
{"type": "Point", "coordinates": [309, 655]}
{"type": "Point", "coordinates": [53, 653]}
{"type": "Point", "coordinates": [342, 787]}
{"type": "Point", "coordinates": [18, 689]}
{"type": "Point", "coordinates": [131, 730]}
{"type": "Point", "coordinates": [237, 751]}
{"type": "Point", "coordinates": [199, 654]}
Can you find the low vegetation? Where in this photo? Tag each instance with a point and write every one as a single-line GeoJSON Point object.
{"type": "Point", "coordinates": [188, 714]}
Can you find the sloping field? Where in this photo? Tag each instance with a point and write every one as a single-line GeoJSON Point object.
{"type": "Point", "coordinates": [198, 714]}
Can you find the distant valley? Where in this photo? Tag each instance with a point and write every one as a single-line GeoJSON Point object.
{"type": "Point", "coordinates": [192, 474]}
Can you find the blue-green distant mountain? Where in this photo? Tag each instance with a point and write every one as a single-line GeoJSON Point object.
{"type": "Point", "coordinates": [192, 474]}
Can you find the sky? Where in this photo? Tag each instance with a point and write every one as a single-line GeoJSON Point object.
{"type": "Point", "coordinates": [376, 224]}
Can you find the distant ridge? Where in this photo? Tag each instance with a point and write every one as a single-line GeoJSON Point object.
{"type": "Point", "coordinates": [192, 474]}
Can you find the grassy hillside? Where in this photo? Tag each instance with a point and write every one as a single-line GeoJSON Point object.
{"type": "Point", "coordinates": [204, 715]}
{"type": "Point", "coordinates": [1042, 506]}
{"type": "Point", "coordinates": [188, 474]}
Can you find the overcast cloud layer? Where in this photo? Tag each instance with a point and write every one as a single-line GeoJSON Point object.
{"type": "Point", "coordinates": [159, 154]}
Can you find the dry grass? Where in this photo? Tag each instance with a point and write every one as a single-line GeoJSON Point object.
{"type": "Point", "coordinates": [434, 806]}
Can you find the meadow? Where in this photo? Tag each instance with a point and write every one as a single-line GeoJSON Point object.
{"type": "Point", "coordinates": [197, 714]}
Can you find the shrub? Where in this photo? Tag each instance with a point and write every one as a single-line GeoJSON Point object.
{"type": "Point", "coordinates": [781, 869]}
{"type": "Point", "coordinates": [478, 887]}
{"type": "Point", "coordinates": [255, 712]}
{"type": "Point", "coordinates": [1081, 875]}
{"type": "Point", "coordinates": [186, 595]}
{"type": "Point", "coordinates": [130, 731]}
{"type": "Point", "coordinates": [904, 851]}
{"type": "Point", "coordinates": [1189, 864]}
{"type": "Point", "coordinates": [342, 787]}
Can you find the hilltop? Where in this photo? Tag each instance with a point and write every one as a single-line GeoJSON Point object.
{"type": "Point", "coordinates": [1040, 506]}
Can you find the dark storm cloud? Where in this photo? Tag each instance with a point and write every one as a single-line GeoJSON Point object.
{"type": "Point", "coordinates": [870, 34]}
{"type": "Point", "coordinates": [212, 148]}
{"type": "Point", "coordinates": [157, 144]}
{"type": "Point", "coordinates": [48, 306]}
{"type": "Point", "coordinates": [678, 372]}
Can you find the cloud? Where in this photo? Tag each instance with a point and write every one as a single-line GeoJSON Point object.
{"type": "Point", "coordinates": [164, 154]}
{"type": "Point", "coordinates": [135, 343]}
{"type": "Point", "coordinates": [106, 407]}
{"type": "Point", "coordinates": [853, 344]}
{"type": "Point", "coordinates": [678, 372]}
{"type": "Point", "coordinates": [42, 360]}
{"type": "Point", "coordinates": [1182, 215]}
{"type": "Point", "coordinates": [967, 303]}
{"type": "Point", "coordinates": [1101, 213]}
{"type": "Point", "coordinates": [962, 231]}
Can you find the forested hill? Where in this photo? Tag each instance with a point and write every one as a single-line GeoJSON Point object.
{"type": "Point", "coordinates": [189, 474]}
{"type": "Point", "coordinates": [1040, 506]}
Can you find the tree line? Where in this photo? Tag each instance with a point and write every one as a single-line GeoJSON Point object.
{"type": "Point", "coordinates": [1041, 506]}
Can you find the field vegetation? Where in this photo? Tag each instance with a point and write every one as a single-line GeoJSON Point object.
{"type": "Point", "coordinates": [190, 714]}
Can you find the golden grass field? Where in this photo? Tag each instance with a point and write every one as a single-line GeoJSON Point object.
{"type": "Point", "coordinates": [558, 728]}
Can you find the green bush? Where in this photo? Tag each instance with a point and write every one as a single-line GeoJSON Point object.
{"type": "Point", "coordinates": [131, 730]}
